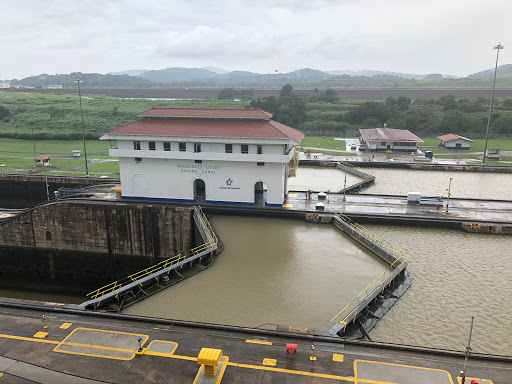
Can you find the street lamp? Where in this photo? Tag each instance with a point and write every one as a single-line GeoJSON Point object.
{"type": "Point", "coordinates": [448, 201]}
{"type": "Point", "coordinates": [498, 47]}
{"type": "Point", "coordinates": [83, 126]}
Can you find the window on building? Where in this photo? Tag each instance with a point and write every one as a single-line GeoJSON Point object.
{"type": "Point", "coordinates": [229, 148]}
{"type": "Point", "coordinates": [197, 147]}
{"type": "Point", "coordinates": [138, 159]}
{"type": "Point", "coordinates": [458, 145]}
{"type": "Point", "coordinates": [245, 148]}
{"type": "Point", "coordinates": [167, 146]}
{"type": "Point", "coordinates": [152, 146]}
{"type": "Point", "coordinates": [136, 145]}
{"type": "Point", "coordinates": [260, 164]}
{"type": "Point", "coordinates": [199, 161]}
{"type": "Point", "coordinates": [382, 144]}
{"type": "Point", "coordinates": [260, 149]}
{"type": "Point", "coordinates": [183, 147]}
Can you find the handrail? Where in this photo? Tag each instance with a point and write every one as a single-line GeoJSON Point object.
{"type": "Point", "coordinates": [399, 256]}
{"type": "Point", "coordinates": [210, 241]}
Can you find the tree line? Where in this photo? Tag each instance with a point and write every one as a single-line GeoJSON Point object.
{"type": "Point", "coordinates": [324, 111]}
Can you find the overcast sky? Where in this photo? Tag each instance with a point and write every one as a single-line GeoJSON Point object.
{"type": "Point", "coordinates": [414, 36]}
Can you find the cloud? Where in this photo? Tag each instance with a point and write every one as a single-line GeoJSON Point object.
{"type": "Point", "coordinates": [454, 37]}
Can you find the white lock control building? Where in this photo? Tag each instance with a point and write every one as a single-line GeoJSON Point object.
{"type": "Point", "coordinates": [218, 156]}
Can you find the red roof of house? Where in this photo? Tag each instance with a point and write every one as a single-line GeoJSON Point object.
{"type": "Point", "coordinates": [42, 157]}
{"type": "Point", "coordinates": [267, 129]}
{"type": "Point", "coordinates": [389, 134]}
{"type": "Point", "coordinates": [451, 136]}
{"type": "Point", "coordinates": [209, 113]}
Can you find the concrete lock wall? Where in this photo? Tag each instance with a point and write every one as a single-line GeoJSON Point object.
{"type": "Point", "coordinates": [91, 243]}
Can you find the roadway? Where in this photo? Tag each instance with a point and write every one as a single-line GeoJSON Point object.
{"type": "Point", "coordinates": [87, 347]}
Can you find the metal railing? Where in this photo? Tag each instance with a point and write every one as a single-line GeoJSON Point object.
{"type": "Point", "coordinates": [396, 258]}
{"type": "Point", "coordinates": [163, 267]}
{"type": "Point", "coordinates": [357, 231]}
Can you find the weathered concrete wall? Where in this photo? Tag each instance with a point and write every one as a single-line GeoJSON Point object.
{"type": "Point", "coordinates": [91, 241]}
{"type": "Point", "coordinates": [24, 191]}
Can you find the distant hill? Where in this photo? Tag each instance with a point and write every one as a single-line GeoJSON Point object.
{"type": "Point", "coordinates": [171, 75]}
{"type": "Point", "coordinates": [503, 70]}
{"type": "Point", "coordinates": [131, 72]}
{"type": "Point", "coordinates": [387, 75]}
{"type": "Point", "coordinates": [217, 70]}
{"type": "Point", "coordinates": [90, 80]}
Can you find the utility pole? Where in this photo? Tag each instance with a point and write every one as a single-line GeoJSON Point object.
{"type": "Point", "coordinates": [448, 201]}
{"type": "Point", "coordinates": [498, 47]}
{"type": "Point", "coordinates": [345, 188]}
{"type": "Point", "coordinates": [468, 352]}
{"type": "Point", "coordinates": [83, 127]}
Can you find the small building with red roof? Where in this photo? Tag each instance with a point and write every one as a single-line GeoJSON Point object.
{"type": "Point", "coordinates": [452, 141]}
{"type": "Point", "coordinates": [384, 139]}
{"type": "Point", "coordinates": [42, 161]}
{"type": "Point", "coordinates": [218, 156]}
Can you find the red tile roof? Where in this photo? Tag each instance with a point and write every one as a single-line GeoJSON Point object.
{"type": "Point", "coordinates": [268, 129]}
{"type": "Point", "coordinates": [207, 113]}
{"type": "Point", "coordinates": [42, 157]}
{"type": "Point", "coordinates": [389, 134]}
{"type": "Point", "coordinates": [451, 136]}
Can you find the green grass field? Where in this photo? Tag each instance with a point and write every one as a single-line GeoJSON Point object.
{"type": "Point", "coordinates": [16, 156]}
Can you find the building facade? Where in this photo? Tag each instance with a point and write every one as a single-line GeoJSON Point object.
{"type": "Point", "coordinates": [5, 85]}
{"type": "Point", "coordinates": [384, 139]}
{"type": "Point", "coordinates": [218, 156]}
{"type": "Point", "coordinates": [452, 141]}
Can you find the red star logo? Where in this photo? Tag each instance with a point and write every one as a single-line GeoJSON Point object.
{"type": "Point", "coordinates": [229, 182]}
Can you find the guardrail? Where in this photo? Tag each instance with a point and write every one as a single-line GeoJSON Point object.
{"type": "Point", "coordinates": [395, 257]}
{"type": "Point", "coordinates": [121, 287]}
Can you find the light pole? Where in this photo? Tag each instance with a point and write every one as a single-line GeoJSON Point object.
{"type": "Point", "coordinates": [448, 201]}
{"type": "Point", "coordinates": [83, 127]}
{"type": "Point", "coordinates": [468, 352]}
{"type": "Point", "coordinates": [498, 47]}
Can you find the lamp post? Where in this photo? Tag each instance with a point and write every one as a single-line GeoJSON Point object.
{"type": "Point", "coordinates": [468, 352]}
{"type": "Point", "coordinates": [448, 201]}
{"type": "Point", "coordinates": [498, 47]}
{"type": "Point", "coordinates": [83, 127]}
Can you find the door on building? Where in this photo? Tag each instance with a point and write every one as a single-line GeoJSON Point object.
{"type": "Point", "coordinates": [199, 191]}
{"type": "Point", "coordinates": [140, 186]}
{"type": "Point", "coordinates": [260, 194]}
{"type": "Point", "coordinates": [389, 146]}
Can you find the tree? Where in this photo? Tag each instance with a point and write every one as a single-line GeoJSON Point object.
{"type": "Point", "coordinates": [329, 96]}
{"type": "Point", "coordinates": [4, 112]}
{"type": "Point", "coordinates": [286, 92]}
{"type": "Point", "coordinates": [269, 104]}
{"type": "Point", "coordinates": [448, 102]}
{"type": "Point", "coordinates": [370, 112]}
{"type": "Point", "coordinates": [227, 94]}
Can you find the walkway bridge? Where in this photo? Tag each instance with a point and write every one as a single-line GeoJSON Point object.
{"type": "Point", "coordinates": [119, 290]}
{"type": "Point", "coordinates": [397, 260]}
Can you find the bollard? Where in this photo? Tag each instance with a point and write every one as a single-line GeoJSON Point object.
{"type": "Point", "coordinates": [291, 349]}
{"type": "Point", "coordinates": [210, 358]}
{"type": "Point", "coordinates": [312, 357]}
{"type": "Point", "coordinates": [44, 318]}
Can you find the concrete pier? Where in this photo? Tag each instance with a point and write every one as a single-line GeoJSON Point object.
{"type": "Point", "coordinates": [88, 347]}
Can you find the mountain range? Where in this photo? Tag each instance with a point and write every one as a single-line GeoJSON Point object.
{"type": "Point", "coordinates": [220, 78]}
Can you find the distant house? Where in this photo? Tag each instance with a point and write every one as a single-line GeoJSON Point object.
{"type": "Point", "coordinates": [383, 139]}
{"type": "Point", "coordinates": [42, 161]}
{"type": "Point", "coordinates": [52, 86]}
{"type": "Point", "coordinates": [452, 141]}
{"type": "Point", "coordinates": [5, 84]}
